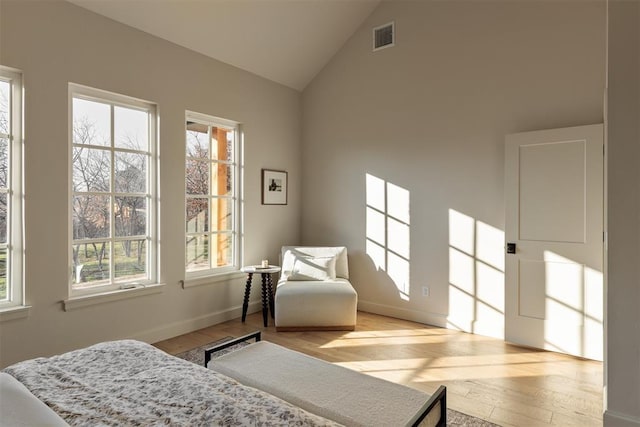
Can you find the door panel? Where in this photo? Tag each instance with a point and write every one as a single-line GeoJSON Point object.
{"type": "Point", "coordinates": [531, 289]}
{"type": "Point", "coordinates": [552, 180]}
{"type": "Point", "coordinates": [554, 215]}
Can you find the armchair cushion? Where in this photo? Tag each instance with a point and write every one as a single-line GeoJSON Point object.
{"type": "Point", "coordinates": [312, 268]}
{"type": "Point", "coordinates": [339, 252]}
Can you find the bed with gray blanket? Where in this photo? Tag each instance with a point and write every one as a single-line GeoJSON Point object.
{"type": "Point", "coordinates": [130, 383]}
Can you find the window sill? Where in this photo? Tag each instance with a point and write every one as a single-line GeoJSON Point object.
{"type": "Point", "coordinates": [12, 313]}
{"type": "Point", "coordinates": [208, 280]}
{"type": "Point", "coordinates": [105, 297]}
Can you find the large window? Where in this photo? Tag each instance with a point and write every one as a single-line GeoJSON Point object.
{"type": "Point", "coordinates": [11, 253]}
{"type": "Point", "coordinates": [113, 181]}
{"type": "Point", "coordinates": [212, 195]}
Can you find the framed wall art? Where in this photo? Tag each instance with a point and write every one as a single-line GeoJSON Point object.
{"type": "Point", "coordinates": [274, 187]}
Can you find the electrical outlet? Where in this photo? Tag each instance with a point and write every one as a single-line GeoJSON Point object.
{"type": "Point", "coordinates": [425, 291]}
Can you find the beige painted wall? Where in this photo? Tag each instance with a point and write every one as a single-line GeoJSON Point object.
{"type": "Point", "coordinates": [55, 43]}
{"type": "Point", "coordinates": [430, 116]}
{"type": "Point", "coordinates": [622, 363]}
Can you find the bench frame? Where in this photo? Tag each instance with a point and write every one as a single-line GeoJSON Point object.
{"type": "Point", "coordinates": [208, 352]}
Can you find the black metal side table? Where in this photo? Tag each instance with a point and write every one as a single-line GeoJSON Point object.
{"type": "Point", "coordinates": [267, 290]}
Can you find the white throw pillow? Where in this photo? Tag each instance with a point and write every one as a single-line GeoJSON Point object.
{"type": "Point", "coordinates": [313, 268]}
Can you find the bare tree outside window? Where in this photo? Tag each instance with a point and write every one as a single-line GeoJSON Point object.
{"type": "Point", "coordinates": [111, 198]}
{"type": "Point", "coordinates": [210, 196]}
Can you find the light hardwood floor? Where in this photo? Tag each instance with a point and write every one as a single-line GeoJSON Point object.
{"type": "Point", "coordinates": [485, 377]}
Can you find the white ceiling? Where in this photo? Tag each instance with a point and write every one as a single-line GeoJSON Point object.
{"type": "Point", "coordinates": [287, 41]}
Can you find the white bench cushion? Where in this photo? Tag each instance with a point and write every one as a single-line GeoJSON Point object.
{"type": "Point", "coordinates": [339, 394]}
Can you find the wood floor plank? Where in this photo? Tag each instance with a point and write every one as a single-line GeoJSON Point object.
{"type": "Point", "coordinates": [485, 377]}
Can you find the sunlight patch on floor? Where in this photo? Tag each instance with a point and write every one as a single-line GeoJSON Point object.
{"type": "Point", "coordinates": [442, 369]}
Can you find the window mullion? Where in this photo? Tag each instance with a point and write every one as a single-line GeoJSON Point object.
{"type": "Point", "coordinates": [210, 185]}
{"type": "Point", "coordinates": [10, 280]}
{"type": "Point", "coordinates": [112, 200]}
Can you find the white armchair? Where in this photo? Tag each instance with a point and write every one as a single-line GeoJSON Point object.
{"type": "Point", "coordinates": [314, 292]}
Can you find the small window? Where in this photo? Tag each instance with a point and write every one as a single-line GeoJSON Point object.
{"type": "Point", "coordinates": [212, 176]}
{"type": "Point", "coordinates": [11, 227]}
{"type": "Point", "coordinates": [113, 186]}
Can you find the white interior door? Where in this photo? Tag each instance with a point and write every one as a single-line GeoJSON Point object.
{"type": "Point", "coordinates": [554, 216]}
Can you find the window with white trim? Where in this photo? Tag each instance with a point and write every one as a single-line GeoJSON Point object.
{"type": "Point", "coordinates": [113, 191]}
{"type": "Point", "coordinates": [11, 225]}
{"type": "Point", "coordinates": [212, 175]}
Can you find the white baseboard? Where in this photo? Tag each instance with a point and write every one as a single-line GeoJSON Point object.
{"type": "Point", "coordinates": [185, 326]}
{"type": "Point", "coordinates": [433, 319]}
{"type": "Point", "coordinates": [616, 419]}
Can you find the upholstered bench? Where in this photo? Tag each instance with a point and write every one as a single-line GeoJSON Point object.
{"type": "Point", "coordinates": [331, 391]}
{"type": "Point", "coordinates": [314, 292]}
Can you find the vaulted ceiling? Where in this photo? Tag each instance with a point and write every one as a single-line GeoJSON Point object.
{"type": "Point", "coordinates": [287, 41]}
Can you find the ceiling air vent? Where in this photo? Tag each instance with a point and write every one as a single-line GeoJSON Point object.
{"type": "Point", "coordinates": [384, 36]}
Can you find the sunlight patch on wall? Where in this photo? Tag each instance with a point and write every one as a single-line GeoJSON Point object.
{"type": "Point", "coordinates": [388, 233]}
{"type": "Point", "coordinates": [476, 276]}
{"type": "Point", "coordinates": [490, 245]}
{"type": "Point", "coordinates": [461, 232]}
